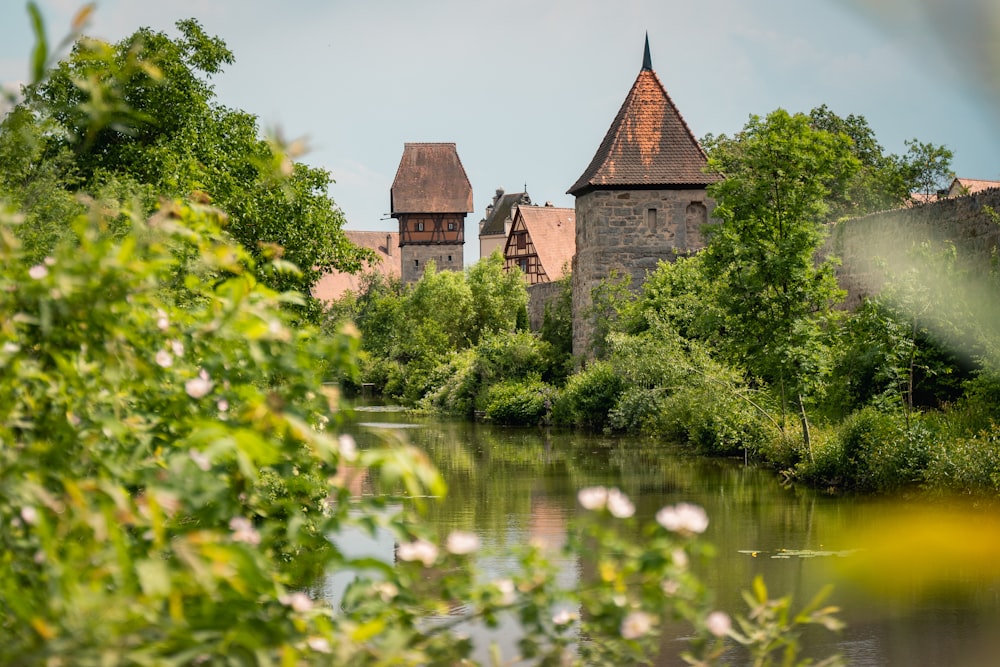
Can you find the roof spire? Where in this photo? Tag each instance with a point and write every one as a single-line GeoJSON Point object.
{"type": "Point", "coordinates": [647, 61]}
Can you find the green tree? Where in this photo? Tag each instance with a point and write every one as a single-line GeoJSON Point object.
{"type": "Point", "coordinates": [882, 181]}
{"type": "Point", "coordinates": [498, 297]}
{"type": "Point", "coordinates": [928, 167]}
{"type": "Point", "coordinates": [139, 120]}
{"type": "Point", "coordinates": [779, 171]}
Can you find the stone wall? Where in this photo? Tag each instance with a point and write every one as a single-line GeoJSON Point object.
{"type": "Point", "coordinates": [876, 247]}
{"type": "Point", "coordinates": [630, 232]}
{"type": "Point", "coordinates": [414, 257]}
{"type": "Point", "coordinates": [540, 295]}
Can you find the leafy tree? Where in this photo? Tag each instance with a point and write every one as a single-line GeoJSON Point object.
{"type": "Point", "coordinates": [498, 297]}
{"type": "Point", "coordinates": [928, 167]}
{"type": "Point", "coordinates": [139, 120]}
{"type": "Point", "coordinates": [882, 181]}
{"type": "Point", "coordinates": [779, 171]}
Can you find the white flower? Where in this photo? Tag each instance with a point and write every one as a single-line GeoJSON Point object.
{"type": "Point", "coordinates": [201, 459]}
{"type": "Point", "coordinates": [636, 624]}
{"type": "Point", "coordinates": [462, 543]}
{"type": "Point", "coordinates": [243, 530]}
{"type": "Point", "coordinates": [29, 514]}
{"type": "Point", "coordinates": [420, 550]}
{"type": "Point", "coordinates": [162, 321]}
{"type": "Point", "coordinates": [298, 601]}
{"type": "Point", "coordinates": [199, 386]}
{"type": "Point", "coordinates": [319, 644]}
{"type": "Point", "coordinates": [564, 617]}
{"type": "Point", "coordinates": [164, 359]}
{"type": "Point", "coordinates": [50, 261]}
{"type": "Point", "coordinates": [11, 348]}
{"type": "Point", "coordinates": [680, 558]}
{"type": "Point", "coordinates": [38, 271]}
{"type": "Point", "coordinates": [506, 588]}
{"type": "Point", "coordinates": [222, 405]}
{"type": "Point", "coordinates": [719, 623]}
{"type": "Point", "coordinates": [177, 347]}
{"type": "Point", "coordinates": [683, 518]}
{"type": "Point", "coordinates": [593, 497]}
{"type": "Point", "coordinates": [386, 590]}
{"type": "Point", "coordinates": [619, 505]}
{"type": "Point", "coordinates": [670, 587]}
{"type": "Point", "coordinates": [348, 448]}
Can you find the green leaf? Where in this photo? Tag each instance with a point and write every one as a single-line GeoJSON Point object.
{"type": "Point", "coordinates": [40, 54]}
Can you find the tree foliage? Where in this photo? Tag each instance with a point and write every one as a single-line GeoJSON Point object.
{"type": "Point", "coordinates": [139, 120]}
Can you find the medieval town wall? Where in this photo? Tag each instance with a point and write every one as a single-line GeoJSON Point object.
{"type": "Point", "coordinates": [630, 232]}
{"type": "Point", "coordinates": [539, 296]}
{"type": "Point", "coordinates": [875, 247]}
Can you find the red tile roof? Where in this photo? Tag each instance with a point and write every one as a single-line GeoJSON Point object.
{"type": "Point", "coordinates": [553, 233]}
{"type": "Point", "coordinates": [968, 186]}
{"type": "Point", "coordinates": [331, 286]}
{"type": "Point", "coordinates": [648, 144]}
{"type": "Point", "coordinates": [430, 179]}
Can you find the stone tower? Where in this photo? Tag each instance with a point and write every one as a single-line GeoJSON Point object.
{"type": "Point", "coordinates": [642, 199]}
{"type": "Point", "coordinates": [430, 197]}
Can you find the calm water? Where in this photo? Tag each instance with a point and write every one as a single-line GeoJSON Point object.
{"type": "Point", "coordinates": [915, 587]}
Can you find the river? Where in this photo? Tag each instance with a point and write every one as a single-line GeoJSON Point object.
{"type": "Point", "coordinates": [917, 579]}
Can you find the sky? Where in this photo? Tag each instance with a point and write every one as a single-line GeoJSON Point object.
{"type": "Point", "coordinates": [527, 89]}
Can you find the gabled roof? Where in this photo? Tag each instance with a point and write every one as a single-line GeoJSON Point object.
{"type": "Point", "coordinates": [430, 179]}
{"type": "Point", "coordinates": [968, 186]}
{"type": "Point", "coordinates": [648, 143]}
{"type": "Point", "coordinates": [493, 223]}
{"type": "Point", "coordinates": [332, 285]}
{"type": "Point", "coordinates": [553, 233]}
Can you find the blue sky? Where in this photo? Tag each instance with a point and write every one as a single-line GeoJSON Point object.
{"type": "Point", "coordinates": [527, 88]}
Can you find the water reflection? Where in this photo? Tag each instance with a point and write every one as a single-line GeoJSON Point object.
{"type": "Point", "coordinates": [510, 486]}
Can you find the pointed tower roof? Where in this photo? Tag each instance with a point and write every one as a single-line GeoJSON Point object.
{"type": "Point", "coordinates": [648, 143]}
{"type": "Point", "coordinates": [430, 179]}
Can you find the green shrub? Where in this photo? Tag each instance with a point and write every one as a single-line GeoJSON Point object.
{"type": "Point", "coordinates": [589, 397]}
{"type": "Point", "coordinates": [519, 402]}
{"type": "Point", "coordinates": [879, 452]}
{"type": "Point", "coordinates": [967, 464]}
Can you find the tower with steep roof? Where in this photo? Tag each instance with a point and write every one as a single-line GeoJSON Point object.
{"type": "Point", "coordinates": [430, 198]}
{"type": "Point", "coordinates": [641, 200]}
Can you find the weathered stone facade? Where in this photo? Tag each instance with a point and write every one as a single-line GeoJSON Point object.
{"type": "Point", "coordinates": [630, 232]}
{"type": "Point", "coordinates": [877, 246]}
{"type": "Point", "coordinates": [539, 296]}
{"type": "Point", "coordinates": [447, 257]}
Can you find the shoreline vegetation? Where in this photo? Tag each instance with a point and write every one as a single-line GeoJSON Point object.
{"type": "Point", "coordinates": [174, 479]}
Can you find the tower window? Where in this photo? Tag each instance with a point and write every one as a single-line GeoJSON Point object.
{"type": "Point", "coordinates": [416, 262]}
{"type": "Point", "coordinates": [651, 218]}
{"type": "Point", "coordinates": [451, 226]}
{"type": "Point", "coordinates": [522, 241]}
{"type": "Point", "coordinates": [420, 226]}
{"type": "Point", "coordinates": [449, 258]}
{"type": "Point", "coordinates": [524, 265]}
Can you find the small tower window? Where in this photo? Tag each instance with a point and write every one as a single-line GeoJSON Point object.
{"type": "Point", "coordinates": [451, 226]}
{"type": "Point", "coordinates": [524, 265]}
{"type": "Point", "coordinates": [651, 218]}
{"type": "Point", "coordinates": [522, 241]}
{"type": "Point", "coordinates": [416, 262]}
{"type": "Point", "coordinates": [449, 258]}
{"type": "Point", "coordinates": [420, 226]}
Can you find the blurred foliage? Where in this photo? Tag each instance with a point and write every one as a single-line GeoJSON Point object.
{"type": "Point", "coordinates": [138, 120]}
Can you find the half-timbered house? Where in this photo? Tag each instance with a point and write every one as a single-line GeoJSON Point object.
{"type": "Point", "coordinates": [541, 242]}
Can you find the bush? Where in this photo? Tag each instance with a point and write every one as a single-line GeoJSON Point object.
{"type": "Point", "coordinates": [589, 397]}
{"type": "Point", "coordinates": [875, 452]}
{"type": "Point", "coordinates": [519, 402]}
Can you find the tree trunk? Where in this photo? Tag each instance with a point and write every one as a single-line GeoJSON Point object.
{"type": "Point", "coordinates": [805, 429]}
